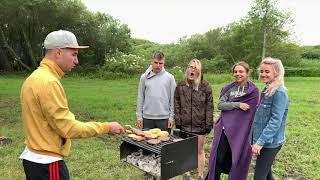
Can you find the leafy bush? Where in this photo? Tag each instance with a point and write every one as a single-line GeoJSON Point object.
{"type": "Point", "coordinates": [177, 72]}
{"type": "Point", "coordinates": [304, 72]}
{"type": "Point", "coordinates": [122, 63]}
{"type": "Point", "coordinates": [310, 63]}
{"type": "Point", "coordinates": [311, 52]}
{"type": "Point", "coordinates": [216, 65]}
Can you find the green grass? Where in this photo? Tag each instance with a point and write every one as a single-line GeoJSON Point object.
{"type": "Point", "coordinates": [109, 100]}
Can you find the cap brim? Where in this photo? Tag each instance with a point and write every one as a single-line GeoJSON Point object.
{"type": "Point", "coordinates": [82, 47]}
{"type": "Point", "coordinates": [71, 47]}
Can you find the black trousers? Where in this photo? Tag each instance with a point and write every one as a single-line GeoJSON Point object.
{"type": "Point", "coordinates": [53, 171]}
{"type": "Point", "coordinates": [156, 123]}
{"type": "Point", "coordinates": [224, 157]}
{"type": "Point", "coordinates": [263, 170]}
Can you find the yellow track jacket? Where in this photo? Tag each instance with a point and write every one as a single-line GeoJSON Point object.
{"type": "Point", "coordinates": [48, 123]}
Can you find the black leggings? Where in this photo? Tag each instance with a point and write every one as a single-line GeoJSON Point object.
{"type": "Point", "coordinates": [263, 170]}
{"type": "Point", "coordinates": [224, 157]}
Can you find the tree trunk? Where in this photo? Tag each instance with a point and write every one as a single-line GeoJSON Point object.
{"type": "Point", "coordinates": [31, 55]}
{"type": "Point", "coordinates": [15, 57]}
{"type": "Point", "coordinates": [264, 43]}
{"type": "Point", "coordinates": [4, 62]}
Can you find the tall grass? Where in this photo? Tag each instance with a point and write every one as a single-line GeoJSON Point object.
{"type": "Point", "coordinates": [109, 100]}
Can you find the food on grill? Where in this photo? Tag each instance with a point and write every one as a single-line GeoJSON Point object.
{"type": "Point", "coordinates": [147, 133]}
{"type": "Point", "coordinates": [155, 130]}
{"type": "Point", "coordinates": [138, 132]}
{"type": "Point", "coordinates": [159, 158]}
{"type": "Point", "coordinates": [154, 141]}
{"type": "Point", "coordinates": [131, 135]}
{"type": "Point", "coordinates": [151, 136]}
{"type": "Point", "coordinates": [164, 138]}
{"type": "Point", "coordinates": [163, 134]}
{"type": "Point", "coordinates": [128, 131]}
{"type": "Point", "coordinates": [138, 138]}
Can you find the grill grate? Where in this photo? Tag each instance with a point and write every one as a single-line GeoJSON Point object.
{"type": "Point", "coordinates": [149, 147]}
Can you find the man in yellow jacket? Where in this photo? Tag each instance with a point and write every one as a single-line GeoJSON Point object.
{"type": "Point", "coordinates": [48, 123]}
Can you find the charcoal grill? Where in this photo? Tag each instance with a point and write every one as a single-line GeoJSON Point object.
{"type": "Point", "coordinates": [177, 156]}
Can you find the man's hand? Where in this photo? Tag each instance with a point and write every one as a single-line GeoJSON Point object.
{"type": "Point", "coordinates": [116, 128]}
{"type": "Point", "coordinates": [140, 123]}
{"type": "Point", "coordinates": [244, 106]}
{"type": "Point", "coordinates": [170, 123]}
{"type": "Point", "coordinates": [256, 148]}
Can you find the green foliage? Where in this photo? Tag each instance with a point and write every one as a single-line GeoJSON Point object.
{"type": "Point", "coordinates": [112, 51]}
{"type": "Point", "coordinates": [143, 48]}
{"type": "Point", "coordinates": [216, 65]}
{"type": "Point", "coordinates": [24, 26]}
{"type": "Point", "coordinates": [123, 64]}
{"type": "Point", "coordinates": [289, 53]}
{"type": "Point", "coordinates": [178, 73]}
{"type": "Point", "coordinates": [178, 55]}
{"type": "Point", "coordinates": [310, 63]}
{"type": "Point", "coordinates": [311, 52]}
{"type": "Point", "coordinates": [302, 72]}
{"type": "Point", "coordinates": [305, 68]}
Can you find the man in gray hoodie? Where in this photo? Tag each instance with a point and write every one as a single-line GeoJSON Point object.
{"type": "Point", "coordinates": [155, 106]}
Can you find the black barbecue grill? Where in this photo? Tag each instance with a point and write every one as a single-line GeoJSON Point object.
{"type": "Point", "coordinates": [178, 155]}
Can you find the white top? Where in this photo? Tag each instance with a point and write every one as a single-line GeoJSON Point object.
{"type": "Point", "coordinates": [38, 158]}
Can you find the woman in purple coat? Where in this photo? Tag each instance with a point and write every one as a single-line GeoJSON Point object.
{"type": "Point", "coordinates": [231, 148]}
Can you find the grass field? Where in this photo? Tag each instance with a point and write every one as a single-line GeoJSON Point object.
{"type": "Point", "coordinates": [114, 100]}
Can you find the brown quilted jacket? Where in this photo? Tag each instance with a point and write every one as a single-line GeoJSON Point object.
{"type": "Point", "coordinates": [194, 109]}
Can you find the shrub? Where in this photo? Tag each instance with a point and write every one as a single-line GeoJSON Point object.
{"type": "Point", "coordinates": [216, 65]}
{"type": "Point", "coordinates": [311, 52]}
{"type": "Point", "coordinates": [304, 72]}
{"type": "Point", "coordinates": [177, 72]}
{"type": "Point", "coordinates": [121, 64]}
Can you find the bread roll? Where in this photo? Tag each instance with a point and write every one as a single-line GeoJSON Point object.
{"type": "Point", "coordinates": [155, 130]}
{"type": "Point", "coordinates": [163, 134]}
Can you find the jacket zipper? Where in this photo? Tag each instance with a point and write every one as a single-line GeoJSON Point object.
{"type": "Point", "coordinates": [191, 110]}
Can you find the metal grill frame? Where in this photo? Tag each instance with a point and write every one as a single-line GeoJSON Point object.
{"type": "Point", "coordinates": [176, 157]}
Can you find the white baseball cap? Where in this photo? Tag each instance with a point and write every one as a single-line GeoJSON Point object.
{"type": "Point", "coordinates": [62, 39]}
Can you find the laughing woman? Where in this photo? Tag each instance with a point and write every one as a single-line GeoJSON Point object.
{"type": "Point", "coordinates": [231, 148]}
{"type": "Point", "coordinates": [270, 118]}
{"type": "Point", "coordinates": [193, 107]}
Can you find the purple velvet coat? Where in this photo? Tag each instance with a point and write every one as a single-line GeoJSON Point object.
{"type": "Point", "coordinates": [237, 124]}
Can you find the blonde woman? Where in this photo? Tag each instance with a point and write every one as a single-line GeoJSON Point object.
{"type": "Point", "coordinates": [193, 107]}
{"type": "Point", "coordinates": [270, 118]}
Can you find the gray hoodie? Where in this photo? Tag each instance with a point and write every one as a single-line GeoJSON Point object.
{"type": "Point", "coordinates": [156, 95]}
{"type": "Point", "coordinates": [226, 102]}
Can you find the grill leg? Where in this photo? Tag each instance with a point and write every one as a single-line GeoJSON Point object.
{"type": "Point", "coordinates": [147, 176]}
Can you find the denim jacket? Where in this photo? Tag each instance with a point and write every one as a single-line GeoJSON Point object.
{"type": "Point", "coordinates": [270, 119]}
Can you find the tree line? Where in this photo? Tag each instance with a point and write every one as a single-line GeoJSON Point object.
{"type": "Point", "coordinates": [25, 23]}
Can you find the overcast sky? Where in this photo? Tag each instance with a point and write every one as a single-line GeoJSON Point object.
{"type": "Point", "coordinates": [165, 21]}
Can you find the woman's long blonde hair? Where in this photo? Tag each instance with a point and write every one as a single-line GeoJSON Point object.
{"type": "Point", "coordinates": [197, 81]}
{"type": "Point", "coordinates": [279, 74]}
